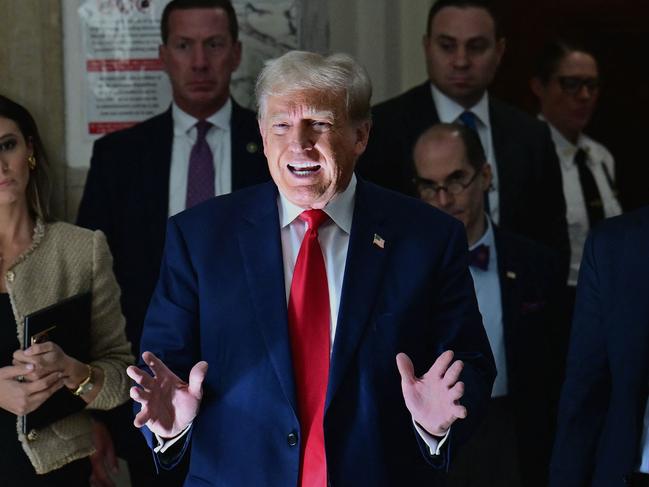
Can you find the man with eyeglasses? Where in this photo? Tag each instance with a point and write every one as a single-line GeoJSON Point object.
{"type": "Point", "coordinates": [515, 281]}
{"type": "Point", "coordinates": [566, 82]}
{"type": "Point", "coordinates": [463, 46]}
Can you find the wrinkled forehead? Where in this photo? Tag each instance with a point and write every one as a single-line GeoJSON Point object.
{"type": "Point", "coordinates": [306, 103]}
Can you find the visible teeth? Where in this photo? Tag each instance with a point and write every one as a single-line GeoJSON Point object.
{"type": "Point", "coordinates": [304, 165]}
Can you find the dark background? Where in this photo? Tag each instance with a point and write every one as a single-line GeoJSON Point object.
{"type": "Point", "coordinates": [618, 33]}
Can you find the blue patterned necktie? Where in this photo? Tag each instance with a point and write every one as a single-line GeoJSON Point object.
{"type": "Point", "coordinates": [200, 177]}
{"type": "Point", "coordinates": [469, 120]}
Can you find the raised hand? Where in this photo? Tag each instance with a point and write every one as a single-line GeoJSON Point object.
{"type": "Point", "coordinates": [20, 397]}
{"type": "Point", "coordinates": [169, 404]}
{"type": "Point", "coordinates": [433, 399]}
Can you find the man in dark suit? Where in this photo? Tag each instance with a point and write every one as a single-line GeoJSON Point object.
{"type": "Point", "coordinates": [463, 48]}
{"type": "Point", "coordinates": [603, 429]}
{"type": "Point", "coordinates": [515, 281]}
{"type": "Point", "coordinates": [320, 281]}
{"type": "Point", "coordinates": [140, 176]}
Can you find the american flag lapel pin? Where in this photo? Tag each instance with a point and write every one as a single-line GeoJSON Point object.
{"type": "Point", "coordinates": [378, 241]}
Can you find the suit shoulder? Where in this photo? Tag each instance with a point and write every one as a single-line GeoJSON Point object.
{"type": "Point", "coordinates": [412, 212]}
{"type": "Point", "coordinates": [402, 102]}
{"type": "Point", "coordinates": [634, 224]}
{"type": "Point", "coordinates": [146, 128]}
{"type": "Point", "coordinates": [525, 249]}
{"type": "Point", "coordinates": [228, 208]}
{"type": "Point", "coordinates": [516, 118]}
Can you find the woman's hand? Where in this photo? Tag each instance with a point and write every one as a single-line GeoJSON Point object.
{"type": "Point", "coordinates": [47, 358]}
{"type": "Point", "coordinates": [21, 398]}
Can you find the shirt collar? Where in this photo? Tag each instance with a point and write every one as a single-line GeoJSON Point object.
{"type": "Point", "coordinates": [184, 122]}
{"type": "Point", "coordinates": [487, 237]}
{"type": "Point", "coordinates": [340, 209]}
{"type": "Point", "coordinates": [565, 148]}
{"type": "Point", "coordinates": [449, 110]}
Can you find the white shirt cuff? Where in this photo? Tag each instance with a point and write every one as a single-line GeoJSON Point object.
{"type": "Point", "coordinates": [164, 445]}
{"type": "Point", "coordinates": [434, 444]}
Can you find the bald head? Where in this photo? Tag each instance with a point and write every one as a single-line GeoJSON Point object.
{"type": "Point", "coordinates": [453, 174]}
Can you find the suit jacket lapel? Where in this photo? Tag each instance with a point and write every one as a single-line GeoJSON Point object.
{"type": "Point", "coordinates": [248, 165]}
{"type": "Point", "coordinates": [261, 250]}
{"type": "Point", "coordinates": [363, 275]}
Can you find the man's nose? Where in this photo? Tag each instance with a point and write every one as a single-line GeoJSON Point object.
{"type": "Point", "coordinates": [444, 199]}
{"type": "Point", "coordinates": [199, 57]}
{"type": "Point", "coordinates": [301, 138]}
{"type": "Point", "coordinates": [460, 58]}
{"type": "Point", "coordinates": [584, 92]}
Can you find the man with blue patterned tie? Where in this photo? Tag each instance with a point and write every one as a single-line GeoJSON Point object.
{"type": "Point", "coordinates": [514, 279]}
{"type": "Point", "coordinates": [463, 47]}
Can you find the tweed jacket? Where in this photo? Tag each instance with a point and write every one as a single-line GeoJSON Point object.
{"type": "Point", "coordinates": [62, 261]}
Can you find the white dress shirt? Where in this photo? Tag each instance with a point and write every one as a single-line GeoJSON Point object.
{"type": "Point", "coordinates": [449, 111]}
{"type": "Point", "coordinates": [600, 162]}
{"type": "Point", "coordinates": [333, 236]}
{"type": "Point", "coordinates": [644, 443]}
{"type": "Point", "coordinates": [487, 291]}
{"type": "Point", "coordinates": [218, 138]}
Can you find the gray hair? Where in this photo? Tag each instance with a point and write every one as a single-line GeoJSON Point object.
{"type": "Point", "coordinates": [300, 70]}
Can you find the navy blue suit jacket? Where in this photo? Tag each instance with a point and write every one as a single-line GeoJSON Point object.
{"type": "Point", "coordinates": [603, 400]}
{"type": "Point", "coordinates": [127, 197]}
{"type": "Point", "coordinates": [221, 298]}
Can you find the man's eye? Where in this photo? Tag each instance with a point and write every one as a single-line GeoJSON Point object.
{"type": "Point", "coordinates": [280, 127]}
{"type": "Point", "coordinates": [446, 46]}
{"type": "Point", "coordinates": [478, 47]}
{"type": "Point", "coordinates": [320, 126]}
{"type": "Point", "coordinates": [7, 145]}
{"type": "Point", "coordinates": [182, 46]}
{"type": "Point", "coordinates": [215, 44]}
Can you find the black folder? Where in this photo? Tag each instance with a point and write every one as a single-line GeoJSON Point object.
{"type": "Point", "coordinates": [66, 323]}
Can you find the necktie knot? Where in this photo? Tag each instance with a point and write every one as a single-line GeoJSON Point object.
{"type": "Point", "coordinates": [314, 218]}
{"type": "Point", "coordinates": [202, 126]}
{"type": "Point", "coordinates": [469, 120]}
{"type": "Point", "coordinates": [580, 157]}
{"type": "Point", "coordinates": [479, 257]}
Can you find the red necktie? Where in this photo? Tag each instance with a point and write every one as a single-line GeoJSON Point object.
{"type": "Point", "coordinates": [309, 328]}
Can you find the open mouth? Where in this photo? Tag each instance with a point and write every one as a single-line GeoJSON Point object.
{"type": "Point", "coordinates": [302, 169]}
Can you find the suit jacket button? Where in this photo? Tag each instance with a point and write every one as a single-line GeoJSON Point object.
{"type": "Point", "coordinates": [292, 438]}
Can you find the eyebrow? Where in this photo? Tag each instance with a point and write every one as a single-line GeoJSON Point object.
{"type": "Point", "coordinates": [308, 112]}
{"type": "Point", "coordinates": [6, 136]}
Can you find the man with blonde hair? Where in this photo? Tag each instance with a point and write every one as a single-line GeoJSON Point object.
{"type": "Point", "coordinates": [301, 294]}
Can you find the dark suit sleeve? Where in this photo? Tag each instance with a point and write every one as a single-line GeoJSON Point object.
{"type": "Point", "coordinates": [458, 327]}
{"type": "Point", "coordinates": [171, 325]}
{"type": "Point", "coordinates": [585, 393]}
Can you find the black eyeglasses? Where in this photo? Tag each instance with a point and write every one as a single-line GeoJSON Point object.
{"type": "Point", "coordinates": [429, 189]}
{"type": "Point", "coordinates": [573, 84]}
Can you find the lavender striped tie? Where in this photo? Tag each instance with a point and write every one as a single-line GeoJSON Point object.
{"type": "Point", "coordinates": [200, 178]}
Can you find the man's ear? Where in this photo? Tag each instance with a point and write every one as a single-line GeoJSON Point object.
{"type": "Point", "coordinates": [537, 87]}
{"type": "Point", "coordinates": [487, 177]}
{"type": "Point", "coordinates": [362, 136]}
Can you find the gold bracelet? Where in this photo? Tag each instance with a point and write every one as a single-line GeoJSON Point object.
{"type": "Point", "coordinates": [86, 384]}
